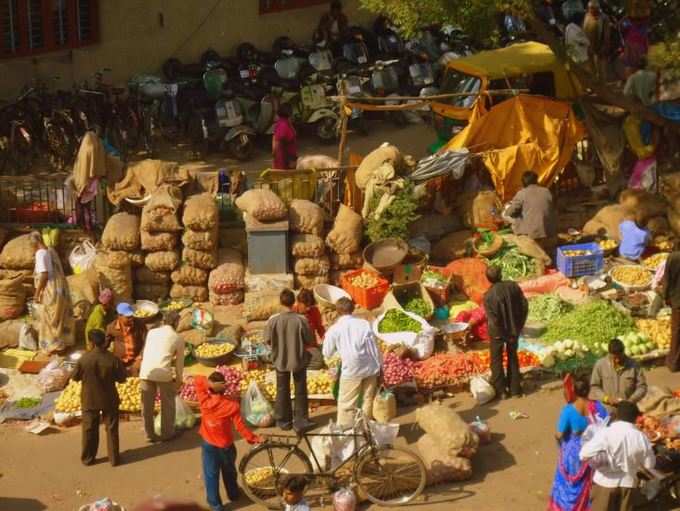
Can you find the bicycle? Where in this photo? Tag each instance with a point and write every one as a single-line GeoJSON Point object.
{"type": "Point", "coordinates": [386, 475]}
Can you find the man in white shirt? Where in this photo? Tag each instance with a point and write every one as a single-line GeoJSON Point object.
{"type": "Point", "coordinates": [162, 346]}
{"type": "Point", "coordinates": [627, 451]}
{"type": "Point", "coordinates": [353, 339]}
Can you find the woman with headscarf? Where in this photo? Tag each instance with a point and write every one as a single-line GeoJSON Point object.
{"type": "Point", "coordinates": [102, 314]}
{"type": "Point", "coordinates": [671, 283]}
{"type": "Point", "coordinates": [53, 305]}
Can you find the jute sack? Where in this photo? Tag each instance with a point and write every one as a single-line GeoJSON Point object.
{"type": "Point", "coordinates": [658, 225]}
{"type": "Point", "coordinates": [10, 333]}
{"type": "Point", "coordinates": [263, 205]}
{"type": "Point", "coordinates": [166, 197]}
{"type": "Point", "coordinates": [231, 298]}
{"type": "Point", "coordinates": [26, 274]}
{"type": "Point", "coordinates": [160, 220]}
{"type": "Point", "coordinates": [230, 275]}
{"type": "Point", "coordinates": [206, 260]}
{"type": "Point", "coordinates": [606, 221]}
{"type": "Point", "coordinates": [442, 467]}
{"type": "Point", "coordinates": [309, 281]}
{"type": "Point", "coordinates": [261, 306]}
{"type": "Point", "coordinates": [162, 261]}
{"type": "Point", "coordinates": [200, 240]}
{"type": "Point", "coordinates": [347, 232]}
{"type": "Point", "coordinates": [119, 280]}
{"type": "Point", "coordinates": [12, 297]}
{"type": "Point", "coordinates": [452, 246]}
{"type": "Point", "coordinates": [453, 433]}
{"type": "Point", "coordinates": [200, 212]}
{"type": "Point", "coordinates": [385, 154]}
{"type": "Point", "coordinates": [347, 261]}
{"type": "Point", "coordinates": [121, 232]}
{"type": "Point", "coordinates": [305, 217]}
{"type": "Point", "coordinates": [674, 221]}
{"type": "Point", "coordinates": [158, 241]}
{"type": "Point", "coordinates": [116, 258]}
{"type": "Point", "coordinates": [307, 245]}
{"type": "Point", "coordinates": [144, 275]}
{"type": "Point", "coordinates": [18, 254]}
{"type": "Point", "coordinates": [137, 258]}
{"type": "Point", "coordinates": [187, 275]}
{"type": "Point", "coordinates": [152, 292]}
{"type": "Point", "coordinates": [642, 204]}
{"type": "Point", "coordinates": [83, 287]}
{"type": "Point", "coordinates": [196, 293]}
{"type": "Point", "coordinates": [312, 266]}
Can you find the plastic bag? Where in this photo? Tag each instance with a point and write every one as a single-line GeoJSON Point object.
{"type": "Point", "coordinates": [82, 257]}
{"type": "Point", "coordinates": [482, 429]}
{"type": "Point", "coordinates": [384, 406]}
{"type": "Point", "coordinates": [344, 500]}
{"type": "Point", "coordinates": [28, 339]}
{"type": "Point", "coordinates": [423, 345]}
{"type": "Point", "coordinates": [53, 376]}
{"type": "Point", "coordinates": [255, 408]}
{"type": "Point", "coordinates": [481, 390]}
{"type": "Point", "coordinates": [384, 434]}
{"type": "Point", "coordinates": [184, 417]}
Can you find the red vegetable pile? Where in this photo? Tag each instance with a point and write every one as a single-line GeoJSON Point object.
{"type": "Point", "coordinates": [232, 378]}
{"type": "Point", "coordinates": [444, 369]}
{"type": "Point", "coordinates": [188, 390]}
{"type": "Point", "coordinates": [396, 370]}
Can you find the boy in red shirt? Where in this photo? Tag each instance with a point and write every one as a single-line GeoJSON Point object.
{"type": "Point", "coordinates": [305, 305]}
{"type": "Point", "coordinates": [218, 413]}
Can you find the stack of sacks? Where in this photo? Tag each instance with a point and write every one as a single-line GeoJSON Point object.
{"type": "Point", "coordinates": [344, 242]}
{"type": "Point", "coordinates": [226, 283]}
{"type": "Point", "coordinates": [160, 239]}
{"type": "Point", "coordinates": [12, 296]}
{"type": "Point", "coordinates": [263, 205]}
{"type": "Point", "coordinates": [311, 264]}
{"type": "Point", "coordinates": [18, 257]}
{"type": "Point", "coordinates": [199, 256]}
{"type": "Point", "coordinates": [119, 254]}
{"type": "Point", "coordinates": [447, 445]}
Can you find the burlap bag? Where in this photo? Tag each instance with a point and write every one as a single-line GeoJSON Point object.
{"type": "Point", "coordinates": [309, 281]}
{"type": "Point", "coordinates": [160, 220]}
{"type": "Point", "coordinates": [305, 217]}
{"type": "Point", "coordinates": [26, 274]}
{"type": "Point", "coordinates": [346, 261]}
{"type": "Point", "coordinates": [230, 275]}
{"type": "Point", "coordinates": [606, 222]}
{"type": "Point", "coordinates": [185, 319]}
{"type": "Point", "coordinates": [187, 275]}
{"type": "Point", "coordinates": [232, 298]}
{"type": "Point", "coordinates": [137, 258]}
{"type": "Point", "coordinates": [116, 258]}
{"type": "Point", "coordinates": [441, 467]}
{"type": "Point", "coordinates": [152, 292]}
{"type": "Point", "coordinates": [312, 266]}
{"type": "Point", "coordinates": [12, 297]}
{"type": "Point", "coordinates": [200, 213]}
{"type": "Point", "coordinates": [162, 261]}
{"type": "Point", "coordinates": [83, 287]}
{"type": "Point", "coordinates": [200, 240]}
{"type": "Point", "coordinates": [261, 306]}
{"type": "Point", "coordinates": [658, 225]}
{"type": "Point", "coordinates": [674, 221]}
{"type": "Point", "coordinates": [454, 435]}
{"type": "Point", "coordinates": [307, 245]}
{"type": "Point", "coordinates": [166, 197]}
{"type": "Point", "coordinates": [384, 155]}
{"type": "Point", "coordinates": [642, 205]}
{"type": "Point", "coordinates": [347, 232]}
{"type": "Point", "coordinates": [18, 254]}
{"type": "Point", "coordinates": [144, 275]}
{"type": "Point", "coordinates": [452, 246]}
{"type": "Point", "coordinates": [119, 280]}
{"type": "Point", "coordinates": [10, 331]}
{"type": "Point", "coordinates": [158, 241]}
{"type": "Point", "coordinates": [486, 206]}
{"type": "Point", "coordinates": [195, 293]}
{"type": "Point", "coordinates": [121, 232]}
{"type": "Point", "coordinates": [206, 260]}
{"type": "Point", "coordinates": [263, 205]}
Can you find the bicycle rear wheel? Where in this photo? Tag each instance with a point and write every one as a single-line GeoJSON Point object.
{"type": "Point", "coordinates": [264, 468]}
{"type": "Point", "coordinates": [390, 476]}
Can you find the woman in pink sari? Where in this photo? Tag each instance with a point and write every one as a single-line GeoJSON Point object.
{"type": "Point", "coordinates": [284, 140]}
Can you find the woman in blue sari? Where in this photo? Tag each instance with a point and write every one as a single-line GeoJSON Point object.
{"type": "Point", "coordinates": [574, 478]}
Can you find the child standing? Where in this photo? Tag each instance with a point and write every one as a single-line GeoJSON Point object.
{"type": "Point", "coordinates": [294, 494]}
{"type": "Point", "coordinates": [218, 414]}
{"type": "Point", "coordinates": [305, 305]}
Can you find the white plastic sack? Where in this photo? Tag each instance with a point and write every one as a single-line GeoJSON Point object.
{"type": "Point", "coordinates": [409, 339]}
{"type": "Point", "coordinates": [184, 417]}
{"type": "Point", "coordinates": [481, 390]}
{"type": "Point", "coordinates": [321, 450]}
{"type": "Point", "coordinates": [255, 408]}
{"type": "Point", "coordinates": [27, 339]}
{"type": "Point", "coordinates": [384, 434]}
{"type": "Point", "coordinates": [82, 257]}
{"type": "Point", "coordinates": [601, 459]}
{"type": "Point", "coordinates": [53, 376]}
{"type": "Point", "coordinates": [344, 500]}
{"type": "Point", "coordinates": [423, 345]}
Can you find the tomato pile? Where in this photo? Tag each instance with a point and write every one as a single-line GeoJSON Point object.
{"type": "Point", "coordinates": [658, 430]}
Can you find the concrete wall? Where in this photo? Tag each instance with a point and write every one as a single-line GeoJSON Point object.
{"type": "Point", "coordinates": [132, 40]}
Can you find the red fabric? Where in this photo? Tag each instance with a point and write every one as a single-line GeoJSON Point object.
{"type": "Point", "coordinates": [568, 384]}
{"type": "Point", "coordinates": [477, 320]}
{"type": "Point", "coordinates": [286, 152]}
{"type": "Point", "coordinates": [314, 319]}
{"type": "Point", "coordinates": [218, 413]}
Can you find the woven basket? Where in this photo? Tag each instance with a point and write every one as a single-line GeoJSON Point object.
{"type": "Point", "coordinates": [490, 250]}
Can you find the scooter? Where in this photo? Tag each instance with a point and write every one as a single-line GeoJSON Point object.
{"type": "Point", "coordinates": [315, 108]}
{"type": "Point", "coordinates": [352, 70]}
{"type": "Point", "coordinates": [385, 83]}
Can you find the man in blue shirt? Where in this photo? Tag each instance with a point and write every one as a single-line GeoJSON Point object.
{"type": "Point", "coordinates": [634, 239]}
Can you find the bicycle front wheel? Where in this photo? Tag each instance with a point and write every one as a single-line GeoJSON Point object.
{"type": "Point", "coordinates": [390, 476]}
{"type": "Point", "coordinates": [264, 469]}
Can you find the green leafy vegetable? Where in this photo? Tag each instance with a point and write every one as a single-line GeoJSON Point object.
{"type": "Point", "coordinates": [418, 306]}
{"type": "Point", "coordinates": [513, 264]}
{"type": "Point", "coordinates": [394, 221]}
{"type": "Point", "coordinates": [27, 402]}
{"type": "Point", "coordinates": [396, 320]}
{"type": "Point", "coordinates": [545, 308]}
{"type": "Point", "coordinates": [434, 279]}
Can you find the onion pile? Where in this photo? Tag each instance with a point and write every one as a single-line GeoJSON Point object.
{"type": "Point", "coordinates": [232, 377]}
{"type": "Point", "coordinates": [188, 390]}
{"type": "Point", "coordinates": [396, 370]}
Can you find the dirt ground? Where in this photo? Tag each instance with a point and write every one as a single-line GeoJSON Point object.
{"type": "Point", "coordinates": [514, 472]}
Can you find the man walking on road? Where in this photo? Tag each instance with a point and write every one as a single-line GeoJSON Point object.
{"type": "Point", "coordinates": [288, 333]}
{"type": "Point", "coordinates": [506, 312]}
{"type": "Point", "coordinates": [99, 370]}
{"type": "Point", "coordinates": [163, 350]}
{"type": "Point", "coordinates": [353, 339]}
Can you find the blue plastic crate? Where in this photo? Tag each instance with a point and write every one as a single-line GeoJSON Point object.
{"type": "Point", "coordinates": [579, 266]}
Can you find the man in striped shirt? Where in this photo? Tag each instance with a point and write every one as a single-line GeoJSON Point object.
{"type": "Point", "coordinates": [126, 334]}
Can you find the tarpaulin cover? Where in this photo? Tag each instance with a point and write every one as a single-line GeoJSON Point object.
{"type": "Point", "coordinates": [519, 134]}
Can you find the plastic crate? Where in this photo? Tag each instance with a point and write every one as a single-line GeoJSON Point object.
{"type": "Point", "coordinates": [579, 266]}
{"type": "Point", "coordinates": [366, 298]}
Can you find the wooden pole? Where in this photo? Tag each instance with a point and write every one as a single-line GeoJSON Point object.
{"type": "Point", "coordinates": [343, 131]}
{"type": "Point", "coordinates": [384, 99]}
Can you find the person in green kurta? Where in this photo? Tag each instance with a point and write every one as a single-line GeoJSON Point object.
{"type": "Point", "coordinates": [102, 314]}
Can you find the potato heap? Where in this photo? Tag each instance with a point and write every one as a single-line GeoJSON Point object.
{"type": "Point", "coordinates": [120, 253]}
{"type": "Point", "coordinates": [658, 330]}
{"type": "Point", "coordinates": [128, 392]}
{"type": "Point", "coordinates": [69, 399]}
{"type": "Point", "coordinates": [212, 350]}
